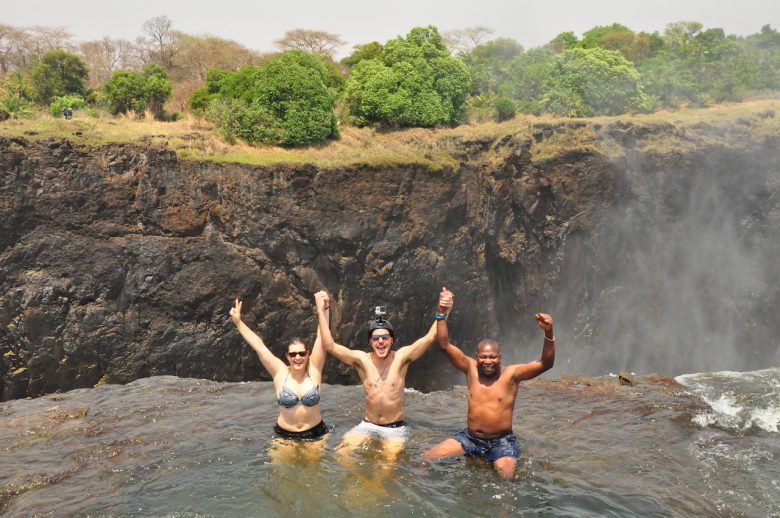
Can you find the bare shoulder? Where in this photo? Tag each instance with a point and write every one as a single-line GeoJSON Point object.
{"type": "Point", "coordinates": [363, 357]}
{"type": "Point", "coordinates": [402, 352]}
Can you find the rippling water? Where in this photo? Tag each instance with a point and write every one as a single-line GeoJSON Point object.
{"type": "Point", "coordinates": [590, 447]}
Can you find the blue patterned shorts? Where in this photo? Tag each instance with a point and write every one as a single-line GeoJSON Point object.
{"type": "Point", "coordinates": [491, 449]}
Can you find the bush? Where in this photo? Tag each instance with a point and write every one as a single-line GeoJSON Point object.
{"type": "Point", "coordinates": [123, 92]}
{"type": "Point", "coordinates": [56, 74]}
{"type": "Point", "coordinates": [156, 88]}
{"type": "Point", "coordinates": [14, 107]}
{"type": "Point", "coordinates": [128, 91]}
{"type": "Point", "coordinates": [505, 109]}
{"type": "Point", "coordinates": [533, 107]}
{"type": "Point", "coordinates": [225, 114]}
{"type": "Point", "coordinates": [199, 100]}
{"type": "Point", "coordinates": [235, 119]}
{"type": "Point", "coordinates": [289, 101]}
{"type": "Point", "coordinates": [16, 93]}
{"type": "Point", "coordinates": [74, 102]}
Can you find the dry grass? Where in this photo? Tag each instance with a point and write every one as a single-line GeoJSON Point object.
{"type": "Point", "coordinates": [731, 124]}
{"type": "Point", "coordinates": [193, 139]}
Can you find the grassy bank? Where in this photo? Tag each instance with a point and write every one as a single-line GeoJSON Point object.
{"type": "Point", "coordinates": [440, 148]}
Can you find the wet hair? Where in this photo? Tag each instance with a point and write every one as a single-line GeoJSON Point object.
{"type": "Point", "coordinates": [296, 340]}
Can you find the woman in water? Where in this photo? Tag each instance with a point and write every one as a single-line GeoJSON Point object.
{"type": "Point", "coordinates": [297, 383]}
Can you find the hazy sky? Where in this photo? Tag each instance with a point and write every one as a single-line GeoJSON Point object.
{"type": "Point", "coordinates": [257, 24]}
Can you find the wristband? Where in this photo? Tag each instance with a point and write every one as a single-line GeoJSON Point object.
{"type": "Point", "coordinates": [550, 339]}
{"type": "Point", "coordinates": [440, 316]}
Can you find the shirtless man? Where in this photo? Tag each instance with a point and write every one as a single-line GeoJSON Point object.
{"type": "Point", "coordinates": [383, 374]}
{"type": "Point", "coordinates": [492, 393]}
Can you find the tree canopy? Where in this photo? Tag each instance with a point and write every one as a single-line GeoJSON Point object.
{"type": "Point", "coordinates": [288, 101]}
{"type": "Point", "coordinates": [58, 73]}
{"type": "Point", "coordinates": [421, 79]}
{"type": "Point", "coordinates": [317, 42]}
{"type": "Point", "coordinates": [592, 81]}
{"type": "Point", "coordinates": [413, 82]}
{"type": "Point", "coordinates": [127, 91]}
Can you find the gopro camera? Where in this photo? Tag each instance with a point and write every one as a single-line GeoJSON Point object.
{"type": "Point", "coordinates": [379, 313]}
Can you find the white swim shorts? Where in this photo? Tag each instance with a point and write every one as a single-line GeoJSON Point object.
{"type": "Point", "coordinates": [397, 430]}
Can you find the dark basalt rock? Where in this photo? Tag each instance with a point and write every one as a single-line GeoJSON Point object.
{"type": "Point", "coordinates": [122, 262]}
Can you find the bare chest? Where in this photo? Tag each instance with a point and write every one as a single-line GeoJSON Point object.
{"type": "Point", "coordinates": [502, 391]}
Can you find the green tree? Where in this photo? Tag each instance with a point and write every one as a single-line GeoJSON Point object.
{"type": "Point", "coordinates": [123, 92]}
{"type": "Point", "coordinates": [288, 101]}
{"type": "Point", "coordinates": [764, 50]}
{"type": "Point", "coordinates": [679, 35]}
{"type": "Point", "coordinates": [594, 81]}
{"type": "Point", "coordinates": [529, 73]}
{"type": "Point", "coordinates": [563, 41]}
{"type": "Point", "coordinates": [668, 78]}
{"type": "Point", "coordinates": [505, 109]}
{"type": "Point", "coordinates": [371, 50]}
{"type": "Point", "coordinates": [295, 89]}
{"type": "Point", "coordinates": [768, 38]}
{"type": "Point", "coordinates": [634, 47]}
{"type": "Point", "coordinates": [58, 73]}
{"type": "Point", "coordinates": [216, 81]}
{"type": "Point", "coordinates": [156, 88]}
{"type": "Point", "coordinates": [723, 64]}
{"type": "Point", "coordinates": [415, 82]}
{"type": "Point", "coordinates": [126, 91]}
{"type": "Point", "coordinates": [657, 42]}
{"type": "Point", "coordinates": [595, 37]}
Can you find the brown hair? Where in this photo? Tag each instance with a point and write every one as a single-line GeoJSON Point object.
{"type": "Point", "coordinates": [296, 340]}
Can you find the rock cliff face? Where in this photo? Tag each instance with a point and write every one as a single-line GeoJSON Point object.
{"type": "Point", "coordinates": [121, 262]}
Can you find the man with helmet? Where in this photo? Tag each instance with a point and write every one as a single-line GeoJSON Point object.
{"type": "Point", "coordinates": [383, 374]}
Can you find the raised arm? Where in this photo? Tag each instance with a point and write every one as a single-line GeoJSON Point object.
{"type": "Point", "coordinates": [345, 354]}
{"type": "Point", "coordinates": [414, 351]}
{"type": "Point", "coordinates": [267, 358]}
{"type": "Point", "coordinates": [455, 355]}
{"type": "Point", "coordinates": [530, 370]}
{"type": "Point", "coordinates": [317, 357]}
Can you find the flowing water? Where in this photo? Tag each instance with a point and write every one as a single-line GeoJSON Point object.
{"type": "Point", "coordinates": [164, 446]}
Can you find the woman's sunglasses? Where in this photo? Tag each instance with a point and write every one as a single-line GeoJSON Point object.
{"type": "Point", "coordinates": [293, 354]}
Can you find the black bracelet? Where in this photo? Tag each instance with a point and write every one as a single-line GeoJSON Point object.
{"type": "Point", "coordinates": [440, 316]}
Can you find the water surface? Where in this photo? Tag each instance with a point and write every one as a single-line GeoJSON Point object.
{"type": "Point", "coordinates": [590, 447]}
